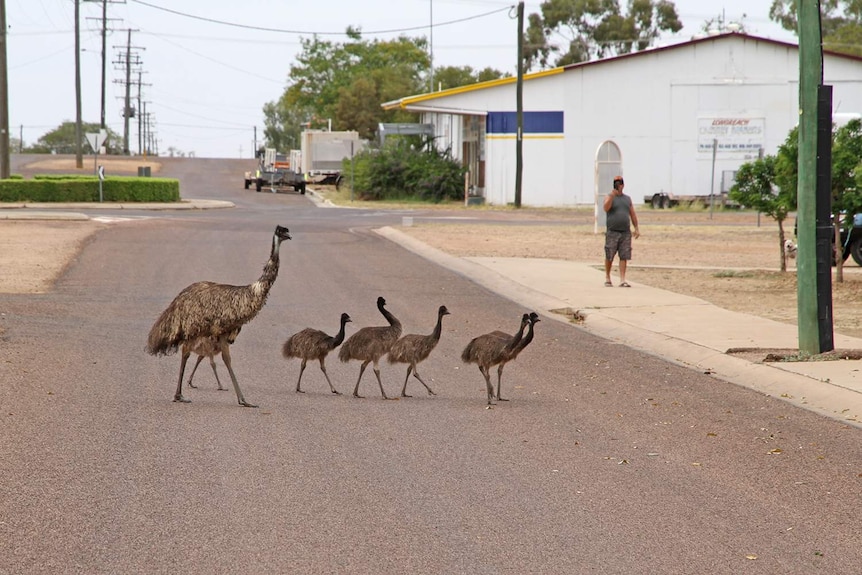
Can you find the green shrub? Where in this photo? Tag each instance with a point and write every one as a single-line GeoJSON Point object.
{"type": "Point", "coordinates": [407, 168]}
{"type": "Point", "coordinates": [86, 189]}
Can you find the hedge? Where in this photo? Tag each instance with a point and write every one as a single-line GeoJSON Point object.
{"type": "Point", "coordinates": [86, 189]}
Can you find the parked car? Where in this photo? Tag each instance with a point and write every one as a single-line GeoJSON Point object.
{"type": "Point", "coordinates": [851, 240]}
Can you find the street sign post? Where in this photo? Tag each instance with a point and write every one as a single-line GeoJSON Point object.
{"type": "Point", "coordinates": [96, 139]}
{"type": "Point", "coordinates": [101, 172]}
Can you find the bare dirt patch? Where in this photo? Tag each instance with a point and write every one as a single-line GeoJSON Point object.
{"type": "Point", "coordinates": [34, 253]}
{"type": "Point", "coordinates": [112, 165]}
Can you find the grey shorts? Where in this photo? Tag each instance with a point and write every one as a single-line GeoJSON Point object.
{"type": "Point", "coordinates": [618, 243]}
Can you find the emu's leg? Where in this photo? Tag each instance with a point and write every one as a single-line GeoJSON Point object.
{"type": "Point", "coordinates": [194, 369]}
{"type": "Point", "coordinates": [298, 381]}
{"type": "Point", "coordinates": [488, 387]}
{"type": "Point", "coordinates": [361, 371]}
{"type": "Point", "coordinates": [499, 377]}
{"type": "Point", "coordinates": [178, 396]}
{"type": "Point", "coordinates": [380, 383]}
{"type": "Point", "coordinates": [225, 354]}
{"type": "Point", "coordinates": [215, 373]}
{"type": "Point", "coordinates": [416, 375]}
{"type": "Point", "coordinates": [404, 389]}
{"type": "Point", "coordinates": [323, 369]}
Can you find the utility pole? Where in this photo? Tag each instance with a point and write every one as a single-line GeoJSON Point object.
{"type": "Point", "coordinates": [104, 25]}
{"type": "Point", "coordinates": [431, 46]}
{"type": "Point", "coordinates": [519, 90]}
{"type": "Point", "coordinates": [79, 145]}
{"type": "Point", "coordinates": [126, 60]}
{"type": "Point", "coordinates": [140, 116]}
{"type": "Point", "coordinates": [4, 98]}
{"type": "Point", "coordinates": [812, 259]}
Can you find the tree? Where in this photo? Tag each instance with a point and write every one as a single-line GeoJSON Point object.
{"type": "Point", "coordinates": [454, 76]}
{"type": "Point", "coordinates": [840, 23]}
{"type": "Point", "coordinates": [595, 29]}
{"type": "Point", "coordinates": [61, 140]}
{"type": "Point", "coordinates": [846, 194]}
{"type": "Point", "coordinates": [362, 73]}
{"type": "Point", "coordinates": [755, 188]}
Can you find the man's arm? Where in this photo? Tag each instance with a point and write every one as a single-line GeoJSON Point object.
{"type": "Point", "coordinates": [609, 202]}
{"type": "Point", "coordinates": [634, 218]}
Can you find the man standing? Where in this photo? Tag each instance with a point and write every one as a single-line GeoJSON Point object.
{"type": "Point", "coordinates": [618, 237]}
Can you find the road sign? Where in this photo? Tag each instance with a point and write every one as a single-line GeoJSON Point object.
{"type": "Point", "coordinates": [96, 139]}
{"type": "Point", "coordinates": [101, 173]}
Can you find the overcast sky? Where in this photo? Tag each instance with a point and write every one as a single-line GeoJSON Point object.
{"type": "Point", "coordinates": [206, 81]}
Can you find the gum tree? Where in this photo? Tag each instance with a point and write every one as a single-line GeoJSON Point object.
{"type": "Point", "coordinates": [755, 188]}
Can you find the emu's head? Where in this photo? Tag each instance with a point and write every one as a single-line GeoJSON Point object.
{"type": "Point", "coordinates": [282, 233]}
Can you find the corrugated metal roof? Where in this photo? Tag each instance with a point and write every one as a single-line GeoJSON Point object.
{"type": "Point", "coordinates": [403, 103]}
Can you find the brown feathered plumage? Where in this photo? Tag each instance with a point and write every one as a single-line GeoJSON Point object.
{"type": "Point", "coordinates": [414, 348]}
{"type": "Point", "coordinates": [208, 347]}
{"type": "Point", "coordinates": [313, 344]}
{"type": "Point", "coordinates": [369, 344]}
{"type": "Point", "coordinates": [213, 310]}
{"type": "Point", "coordinates": [498, 348]}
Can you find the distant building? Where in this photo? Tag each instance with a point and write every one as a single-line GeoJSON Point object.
{"type": "Point", "coordinates": [653, 116]}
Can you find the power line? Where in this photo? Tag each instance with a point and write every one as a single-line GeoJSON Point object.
{"type": "Point", "coordinates": [311, 32]}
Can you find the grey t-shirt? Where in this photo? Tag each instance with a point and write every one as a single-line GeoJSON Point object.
{"type": "Point", "coordinates": [619, 216]}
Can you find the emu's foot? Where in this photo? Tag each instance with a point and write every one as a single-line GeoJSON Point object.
{"type": "Point", "coordinates": [244, 403]}
{"type": "Point", "coordinates": [405, 395]}
{"type": "Point", "coordinates": [431, 392]}
{"type": "Point", "coordinates": [501, 399]}
{"type": "Point", "coordinates": [222, 389]}
{"type": "Point", "coordinates": [357, 396]}
{"type": "Point", "coordinates": [190, 384]}
{"type": "Point", "coordinates": [180, 399]}
{"type": "Point", "coordinates": [299, 390]}
{"type": "Point", "coordinates": [336, 392]}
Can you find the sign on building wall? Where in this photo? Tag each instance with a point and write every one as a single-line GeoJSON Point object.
{"type": "Point", "coordinates": [736, 137]}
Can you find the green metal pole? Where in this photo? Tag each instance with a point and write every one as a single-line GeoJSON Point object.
{"type": "Point", "coordinates": [810, 77]}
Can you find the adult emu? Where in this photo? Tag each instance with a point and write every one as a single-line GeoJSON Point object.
{"type": "Point", "coordinates": [213, 310]}
{"type": "Point", "coordinates": [313, 344]}
{"type": "Point", "coordinates": [207, 347]}
{"type": "Point", "coordinates": [369, 344]}
{"type": "Point", "coordinates": [414, 348]}
{"type": "Point", "coordinates": [498, 348]}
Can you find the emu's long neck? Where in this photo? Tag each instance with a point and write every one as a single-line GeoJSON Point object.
{"type": "Point", "coordinates": [438, 329]}
{"type": "Point", "coordinates": [339, 337]}
{"type": "Point", "coordinates": [517, 339]}
{"type": "Point", "coordinates": [393, 321]}
{"type": "Point", "coordinates": [529, 337]}
{"type": "Point", "coordinates": [270, 272]}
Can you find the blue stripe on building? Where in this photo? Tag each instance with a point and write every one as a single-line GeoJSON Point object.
{"type": "Point", "coordinates": [534, 123]}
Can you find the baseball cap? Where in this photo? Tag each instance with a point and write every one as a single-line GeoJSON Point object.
{"type": "Point", "coordinates": [618, 179]}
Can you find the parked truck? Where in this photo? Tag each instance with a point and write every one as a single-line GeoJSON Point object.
{"type": "Point", "coordinates": [662, 200]}
{"type": "Point", "coordinates": [275, 172]}
{"type": "Point", "coordinates": [323, 152]}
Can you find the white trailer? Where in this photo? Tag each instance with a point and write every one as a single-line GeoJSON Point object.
{"type": "Point", "coordinates": [323, 152]}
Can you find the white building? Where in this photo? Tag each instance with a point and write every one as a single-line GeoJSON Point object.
{"type": "Point", "coordinates": [652, 116]}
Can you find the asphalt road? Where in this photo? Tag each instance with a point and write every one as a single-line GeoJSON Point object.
{"type": "Point", "coordinates": [605, 461]}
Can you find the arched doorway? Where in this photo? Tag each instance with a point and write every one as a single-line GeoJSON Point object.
{"type": "Point", "coordinates": [609, 163]}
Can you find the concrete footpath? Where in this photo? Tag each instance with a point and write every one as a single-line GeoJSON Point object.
{"type": "Point", "coordinates": [682, 329]}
